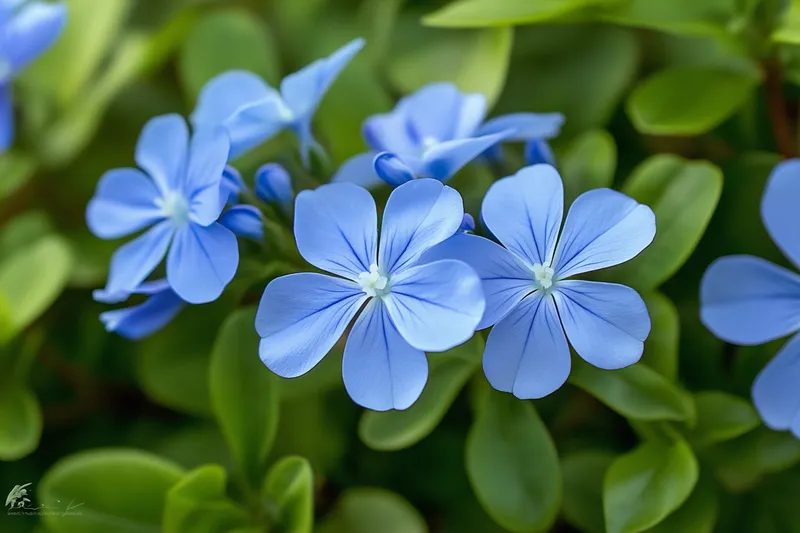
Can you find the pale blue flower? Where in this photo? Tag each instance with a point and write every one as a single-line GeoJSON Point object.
{"type": "Point", "coordinates": [408, 308]}
{"type": "Point", "coordinates": [274, 186]}
{"type": "Point", "coordinates": [27, 30]}
{"type": "Point", "coordinates": [747, 300]}
{"type": "Point", "coordinates": [253, 112]}
{"type": "Point", "coordinates": [435, 132]}
{"type": "Point", "coordinates": [139, 321]}
{"type": "Point", "coordinates": [538, 151]}
{"type": "Point", "coordinates": [244, 220]}
{"type": "Point", "coordinates": [530, 299]}
{"type": "Point", "coordinates": [177, 197]}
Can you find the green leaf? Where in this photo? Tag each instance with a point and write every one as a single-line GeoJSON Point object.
{"type": "Point", "coordinates": [197, 503]}
{"type": "Point", "coordinates": [22, 230]}
{"type": "Point", "coordinates": [588, 163]}
{"type": "Point", "coordinates": [583, 488]}
{"type": "Point", "coordinates": [661, 346]}
{"type": "Point", "coordinates": [644, 486]}
{"type": "Point", "coordinates": [788, 31]}
{"type": "Point", "coordinates": [449, 371]}
{"type": "Point", "coordinates": [475, 60]}
{"type": "Point", "coordinates": [119, 490]}
{"type": "Point", "coordinates": [290, 486]}
{"type": "Point", "coordinates": [512, 464]}
{"type": "Point", "coordinates": [365, 510]}
{"type": "Point", "coordinates": [30, 281]}
{"type": "Point", "coordinates": [742, 462]}
{"type": "Point", "coordinates": [713, 18]}
{"type": "Point", "coordinates": [637, 392]}
{"type": "Point", "coordinates": [227, 39]}
{"type": "Point", "coordinates": [16, 170]}
{"type": "Point", "coordinates": [683, 194]}
{"type": "Point", "coordinates": [483, 13]}
{"type": "Point", "coordinates": [244, 394]}
{"type": "Point", "coordinates": [21, 420]}
{"type": "Point", "coordinates": [688, 100]}
{"type": "Point", "coordinates": [721, 417]}
{"type": "Point", "coordinates": [697, 515]}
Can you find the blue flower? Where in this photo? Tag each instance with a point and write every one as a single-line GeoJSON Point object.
{"type": "Point", "coordinates": [408, 308]}
{"type": "Point", "coordinates": [244, 220]}
{"type": "Point", "coordinates": [178, 198]}
{"type": "Point", "coordinates": [274, 186]}
{"type": "Point", "coordinates": [747, 300]}
{"type": "Point", "coordinates": [253, 112]}
{"type": "Point", "coordinates": [27, 30]}
{"type": "Point", "coordinates": [538, 151]}
{"type": "Point", "coordinates": [435, 132]}
{"type": "Point", "coordinates": [139, 321]}
{"type": "Point", "coordinates": [529, 298]}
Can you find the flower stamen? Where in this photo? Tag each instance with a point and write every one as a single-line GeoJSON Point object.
{"type": "Point", "coordinates": [373, 283]}
{"type": "Point", "coordinates": [543, 276]}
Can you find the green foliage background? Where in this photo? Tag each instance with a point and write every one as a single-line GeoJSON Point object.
{"type": "Point", "coordinates": [686, 105]}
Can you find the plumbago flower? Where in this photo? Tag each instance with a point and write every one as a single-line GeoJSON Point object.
{"type": "Point", "coordinates": [139, 321]}
{"type": "Point", "coordinates": [178, 198]}
{"type": "Point", "coordinates": [529, 298]}
{"type": "Point", "coordinates": [747, 300]}
{"type": "Point", "coordinates": [435, 132]}
{"type": "Point", "coordinates": [408, 308]}
{"type": "Point", "coordinates": [27, 30]}
{"type": "Point", "coordinates": [253, 112]}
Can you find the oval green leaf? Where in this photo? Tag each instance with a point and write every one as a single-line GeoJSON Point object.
{"type": "Point", "coordinates": [583, 489]}
{"type": "Point", "coordinates": [661, 346]}
{"type": "Point", "coordinates": [483, 13]}
{"type": "Point", "coordinates": [721, 417]}
{"type": "Point", "coordinates": [365, 510]}
{"type": "Point", "coordinates": [512, 464]}
{"type": "Point", "coordinates": [643, 487]}
{"type": "Point", "coordinates": [90, 483]}
{"type": "Point", "coordinates": [197, 503]}
{"type": "Point", "coordinates": [290, 487]}
{"type": "Point", "coordinates": [21, 420]}
{"type": "Point", "coordinates": [697, 515]}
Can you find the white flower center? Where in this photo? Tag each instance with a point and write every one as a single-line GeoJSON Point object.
{"type": "Point", "coordinates": [373, 283]}
{"type": "Point", "coordinates": [428, 142]}
{"type": "Point", "coordinates": [543, 275]}
{"type": "Point", "coordinates": [175, 207]}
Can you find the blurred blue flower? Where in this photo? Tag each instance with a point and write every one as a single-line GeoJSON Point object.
{"type": "Point", "coordinates": [467, 224]}
{"type": "Point", "coordinates": [178, 197]}
{"type": "Point", "coordinates": [245, 220]}
{"type": "Point", "coordinates": [410, 308]}
{"type": "Point", "coordinates": [232, 186]}
{"type": "Point", "coordinates": [747, 300]}
{"type": "Point", "coordinates": [274, 186]}
{"type": "Point", "coordinates": [529, 298]}
{"type": "Point", "coordinates": [27, 30]}
{"type": "Point", "coordinates": [141, 320]}
{"type": "Point", "coordinates": [253, 112]}
{"type": "Point", "coordinates": [435, 132]}
{"type": "Point", "coordinates": [538, 151]}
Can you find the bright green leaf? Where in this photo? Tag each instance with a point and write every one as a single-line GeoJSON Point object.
{"type": "Point", "coordinates": [231, 39]}
{"type": "Point", "coordinates": [119, 490]}
{"type": "Point", "coordinates": [688, 100]}
{"type": "Point", "coordinates": [483, 13]}
{"type": "Point", "coordinates": [512, 464]}
{"type": "Point", "coordinates": [371, 510]}
{"type": "Point", "coordinates": [197, 503]}
{"type": "Point", "coordinates": [449, 371]}
{"type": "Point", "coordinates": [22, 230]}
{"type": "Point", "coordinates": [661, 346]}
{"type": "Point", "coordinates": [588, 163]}
{"type": "Point", "coordinates": [16, 170]}
{"type": "Point", "coordinates": [583, 489]}
{"type": "Point", "coordinates": [290, 487]}
{"type": "Point", "coordinates": [788, 31]}
{"type": "Point", "coordinates": [637, 392]}
{"type": "Point", "coordinates": [683, 194]}
{"type": "Point", "coordinates": [720, 417]}
{"type": "Point", "coordinates": [697, 515]}
{"type": "Point", "coordinates": [244, 394]}
{"type": "Point", "coordinates": [644, 486]}
{"type": "Point", "coordinates": [21, 420]}
{"type": "Point", "coordinates": [714, 18]}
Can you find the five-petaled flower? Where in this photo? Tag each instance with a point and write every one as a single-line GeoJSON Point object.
{"type": "Point", "coordinates": [410, 307]}
{"type": "Point", "coordinates": [27, 30]}
{"type": "Point", "coordinates": [433, 133]}
{"type": "Point", "coordinates": [141, 320]}
{"type": "Point", "coordinates": [253, 112]}
{"type": "Point", "coordinates": [747, 300]}
{"type": "Point", "coordinates": [179, 199]}
{"type": "Point", "coordinates": [529, 298]}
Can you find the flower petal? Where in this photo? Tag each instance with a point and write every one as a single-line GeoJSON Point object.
{"type": "Point", "coordinates": [606, 323]}
{"type": "Point", "coordinates": [747, 300]}
{"type": "Point", "coordinates": [359, 170]}
{"type": "Point", "coordinates": [124, 202]}
{"type": "Point", "coordinates": [381, 370]}
{"type": "Point", "coordinates": [300, 318]}
{"type": "Point", "coordinates": [603, 228]}
{"type": "Point", "coordinates": [336, 229]}
{"type": "Point", "coordinates": [524, 212]}
{"type": "Point", "coordinates": [244, 220]}
{"type": "Point", "coordinates": [202, 261]}
{"type": "Point", "coordinates": [526, 352]}
{"type": "Point", "coordinates": [6, 117]}
{"type": "Point", "coordinates": [435, 112]}
{"type": "Point", "coordinates": [779, 208]}
{"type": "Point", "coordinates": [142, 320]}
{"type": "Point", "coordinates": [525, 126]}
{"type": "Point", "coordinates": [232, 186]}
{"type": "Point", "coordinates": [162, 151]}
{"type": "Point", "coordinates": [392, 169]}
{"type": "Point", "coordinates": [208, 156]}
{"type": "Point", "coordinates": [418, 215]}
{"type": "Point", "coordinates": [473, 111]}
{"type": "Point", "coordinates": [134, 261]}
{"type": "Point", "coordinates": [505, 280]}
{"type": "Point", "coordinates": [775, 391]}
{"type": "Point", "coordinates": [31, 31]}
{"type": "Point", "coordinates": [443, 160]}
{"type": "Point", "coordinates": [436, 306]}
{"type": "Point", "coordinates": [389, 132]}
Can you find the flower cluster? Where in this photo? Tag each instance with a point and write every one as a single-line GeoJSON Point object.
{"type": "Point", "coordinates": [424, 283]}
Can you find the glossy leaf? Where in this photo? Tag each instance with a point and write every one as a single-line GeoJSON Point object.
{"type": "Point", "coordinates": [720, 417]}
{"type": "Point", "coordinates": [583, 489]}
{"type": "Point", "coordinates": [662, 345]}
{"type": "Point", "coordinates": [482, 13]}
{"type": "Point", "coordinates": [198, 503]}
{"type": "Point", "coordinates": [588, 163]}
{"type": "Point", "coordinates": [512, 464]}
{"type": "Point", "coordinates": [698, 514]}
{"type": "Point", "coordinates": [290, 487]}
{"type": "Point", "coordinates": [369, 510]}
{"type": "Point", "coordinates": [713, 18]}
{"type": "Point", "coordinates": [21, 420]}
